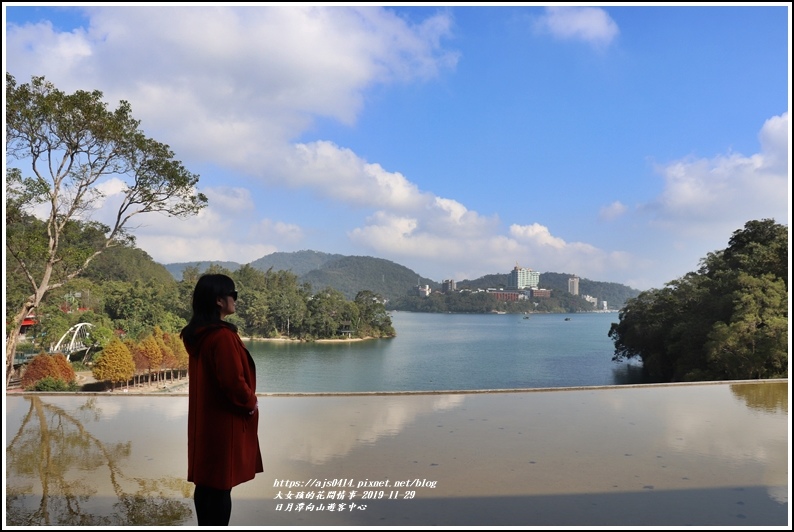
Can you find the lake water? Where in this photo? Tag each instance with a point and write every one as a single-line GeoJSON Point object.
{"type": "Point", "coordinates": [703, 455]}
{"type": "Point", "coordinates": [441, 352]}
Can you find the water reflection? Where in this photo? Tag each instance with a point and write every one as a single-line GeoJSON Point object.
{"type": "Point", "coordinates": [701, 454]}
{"type": "Point", "coordinates": [347, 422]}
{"type": "Point", "coordinates": [627, 373]}
{"type": "Point", "coordinates": [55, 465]}
{"type": "Point", "coordinates": [770, 398]}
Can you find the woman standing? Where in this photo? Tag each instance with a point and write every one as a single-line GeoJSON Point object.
{"type": "Point", "coordinates": [223, 415]}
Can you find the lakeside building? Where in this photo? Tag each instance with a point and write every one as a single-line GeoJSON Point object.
{"type": "Point", "coordinates": [540, 293]}
{"type": "Point", "coordinates": [447, 286]}
{"type": "Point", "coordinates": [523, 278]}
{"type": "Point", "coordinates": [505, 295]}
{"type": "Point", "coordinates": [573, 285]}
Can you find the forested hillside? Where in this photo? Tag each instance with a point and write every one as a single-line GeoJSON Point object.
{"type": "Point", "coordinates": [494, 280]}
{"type": "Point", "coordinates": [352, 274]}
{"type": "Point", "coordinates": [298, 262]}
{"type": "Point", "coordinates": [614, 294]}
{"type": "Point", "coordinates": [127, 264]}
{"type": "Point", "coordinates": [178, 268]}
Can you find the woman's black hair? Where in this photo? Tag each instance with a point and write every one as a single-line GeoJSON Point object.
{"type": "Point", "coordinates": [209, 288]}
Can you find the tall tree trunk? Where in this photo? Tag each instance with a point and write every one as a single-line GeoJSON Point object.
{"type": "Point", "coordinates": [15, 329]}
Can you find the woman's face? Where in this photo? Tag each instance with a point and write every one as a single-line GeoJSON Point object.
{"type": "Point", "coordinates": [227, 304]}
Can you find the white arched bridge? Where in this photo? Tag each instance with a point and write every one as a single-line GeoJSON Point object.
{"type": "Point", "coordinates": [72, 342]}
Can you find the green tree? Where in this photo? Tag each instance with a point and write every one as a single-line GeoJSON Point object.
{"type": "Point", "coordinates": [326, 310]}
{"type": "Point", "coordinates": [753, 344]}
{"type": "Point", "coordinates": [51, 324]}
{"type": "Point", "coordinates": [69, 143]}
{"type": "Point", "coordinates": [138, 307]}
{"type": "Point", "coordinates": [728, 320]}
{"type": "Point", "coordinates": [114, 364]}
{"type": "Point", "coordinates": [373, 318]}
{"type": "Point", "coordinates": [98, 337]}
{"type": "Point", "coordinates": [760, 248]}
{"type": "Point", "coordinates": [288, 301]}
{"type": "Point", "coordinates": [252, 305]}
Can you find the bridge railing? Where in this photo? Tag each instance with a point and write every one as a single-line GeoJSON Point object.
{"type": "Point", "coordinates": [23, 358]}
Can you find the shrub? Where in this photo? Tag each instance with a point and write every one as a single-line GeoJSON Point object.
{"type": "Point", "coordinates": [43, 365]}
{"type": "Point", "coordinates": [79, 365]}
{"type": "Point", "coordinates": [64, 368]}
{"type": "Point", "coordinates": [51, 384]}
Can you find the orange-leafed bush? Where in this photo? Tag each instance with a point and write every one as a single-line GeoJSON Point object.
{"type": "Point", "coordinates": [43, 365]}
{"type": "Point", "coordinates": [114, 364]}
{"type": "Point", "coordinates": [65, 370]}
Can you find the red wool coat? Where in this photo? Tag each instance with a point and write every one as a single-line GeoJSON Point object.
{"type": "Point", "coordinates": [222, 441]}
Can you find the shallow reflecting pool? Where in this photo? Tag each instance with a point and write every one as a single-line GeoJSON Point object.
{"type": "Point", "coordinates": [708, 454]}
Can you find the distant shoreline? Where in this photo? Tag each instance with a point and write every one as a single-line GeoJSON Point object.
{"type": "Point", "coordinates": [323, 340]}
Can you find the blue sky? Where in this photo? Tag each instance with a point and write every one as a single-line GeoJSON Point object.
{"type": "Point", "coordinates": [619, 144]}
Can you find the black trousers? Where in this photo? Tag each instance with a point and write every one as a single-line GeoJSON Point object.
{"type": "Point", "coordinates": [213, 506]}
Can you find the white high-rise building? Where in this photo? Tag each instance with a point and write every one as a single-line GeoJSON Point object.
{"type": "Point", "coordinates": [573, 285]}
{"type": "Point", "coordinates": [522, 278]}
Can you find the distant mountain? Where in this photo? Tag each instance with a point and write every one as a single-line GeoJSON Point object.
{"type": "Point", "coordinates": [176, 268]}
{"type": "Point", "coordinates": [494, 280]}
{"type": "Point", "coordinates": [298, 262]}
{"type": "Point", "coordinates": [614, 294]}
{"type": "Point", "coordinates": [348, 274]}
{"type": "Point", "coordinates": [126, 264]}
{"type": "Point", "coordinates": [351, 274]}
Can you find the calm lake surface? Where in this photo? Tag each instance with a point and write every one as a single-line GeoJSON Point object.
{"type": "Point", "coordinates": [683, 455]}
{"type": "Point", "coordinates": [440, 352]}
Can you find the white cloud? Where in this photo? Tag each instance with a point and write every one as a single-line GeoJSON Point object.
{"type": "Point", "coordinates": [342, 428]}
{"type": "Point", "coordinates": [707, 196]}
{"type": "Point", "coordinates": [227, 229]}
{"type": "Point", "coordinates": [538, 235]}
{"type": "Point", "coordinates": [340, 174]}
{"type": "Point", "coordinates": [481, 252]}
{"type": "Point", "coordinates": [230, 199]}
{"type": "Point", "coordinates": [612, 211]}
{"type": "Point", "coordinates": [775, 141]}
{"type": "Point", "coordinates": [555, 254]}
{"type": "Point", "coordinates": [234, 87]}
{"type": "Point", "coordinates": [111, 187]}
{"type": "Point", "coordinates": [59, 54]}
{"type": "Point", "coordinates": [202, 247]}
{"type": "Point", "coordinates": [241, 87]}
{"type": "Point", "coordinates": [589, 24]}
